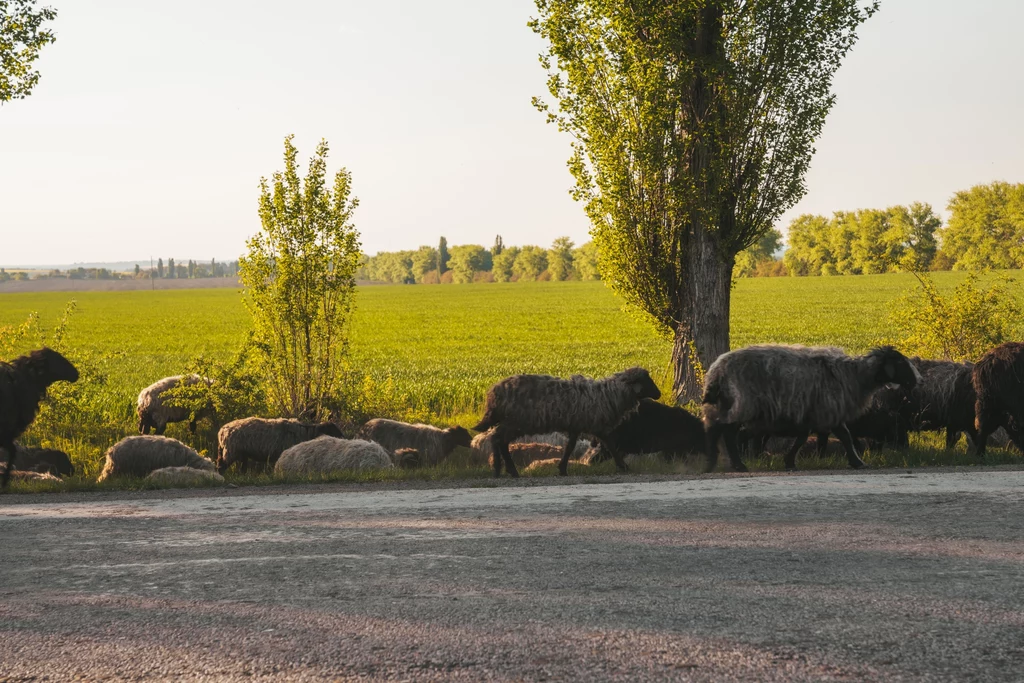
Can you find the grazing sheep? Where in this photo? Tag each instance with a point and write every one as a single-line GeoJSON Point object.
{"type": "Point", "coordinates": [23, 383]}
{"type": "Point", "coordinates": [137, 456]}
{"type": "Point", "coordinates": [433, 443]}
{"type": "Point", "coordinates": [262, 441]}
{"type": "Point", "coordinates": [538, 465]}
{"type": "Point", "coordinates": [24, 475]}
{"type": "Point", "coordinates": [771, 388]}
{"type": "Point", "coordinates": [483, 448]}
{"type": "Point", "coordinates": [328, 454]}
{"type": "Point", "coordinates": [46, 460]}
{"type": "Point", "coordinates": [656, 428]}
{"type": "Point", "coordinates": [183, 476]}
{"type": "Point", "coordinates": [524, 454]}
{"type": "Point", "coordinates": [155, 413]}
{"type": "Point", "coordinates": [998, 380]}
{"type": "Point", "coordinates": [529, 404]}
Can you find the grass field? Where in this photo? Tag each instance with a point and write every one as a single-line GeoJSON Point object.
{"type": "Point", "coordinates": [443, 346]}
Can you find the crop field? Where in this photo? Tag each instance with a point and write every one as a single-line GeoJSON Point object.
{"type": "Point", "coordinates": [442, 346]}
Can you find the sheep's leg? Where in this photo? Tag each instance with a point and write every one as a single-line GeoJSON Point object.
{"type": "Point", "coordinates": [843, 432]}
{"type": "Point", "coordinates": [822, 438]}
{"type": "Point", "coordinates": [733, 448]}
{"type": "Point", "coordinates": [160, 428]}
{"type": "Point", "coordinates": [570, 446]}
{"type": "Point", "coordinates": [9, 449]}
{"type": "Point", "coordinates": [801, 439]}
{"type": "Point", "coordinates": [499, 442]}
{"type": "Point", "coordinates": [952, 437]}
{"type": "Point", "coordinates": [711, 437]}
{"type": "Point", "coordinates": [192, 427]}
{"type": "Point", "coordinates": [620, 462]}
{"type": "Point", "coordinates": [510, 465]}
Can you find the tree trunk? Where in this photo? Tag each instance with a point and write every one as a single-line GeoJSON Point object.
{"type": "Point", "coordinates": [705, 321]}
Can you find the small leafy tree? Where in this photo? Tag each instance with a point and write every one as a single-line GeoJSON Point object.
{"type": "Point", "coordinates": [499, 245]}
{"type": "Point", "coordinates": [560, 259]}
{"type": "Point", "coordinates": [21, 39]}
{"type": "Point", "coordinates": [961, 326]}
{"type": "Point", "coordinates": [530, 263]}
{"type": "Point", "coordinates": [584, 261]}
{"type": "Point", "coordinates": [442, 257]}
{"type": "Point", "coordinates": [424, 262]}
{"type": "Point", "coordinates": [299, 282]}
{"type": "Point", "coordinates": [502, 264]}
{"type": "Point", "coordinates": [467, 260]}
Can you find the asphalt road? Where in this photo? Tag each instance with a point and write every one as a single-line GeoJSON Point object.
{"type": "Point", "coordinates": [879, 576]}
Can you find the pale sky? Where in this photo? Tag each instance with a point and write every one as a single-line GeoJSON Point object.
{"type": "Point", "coordinates": [153, 122]}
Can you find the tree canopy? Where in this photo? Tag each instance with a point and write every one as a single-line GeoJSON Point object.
{"type": "Point", "coordinates": [986, 227]}
{"type": "Point", "coordinates": [22, 37]}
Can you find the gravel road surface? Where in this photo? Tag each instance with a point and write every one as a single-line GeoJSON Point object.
{"type": "Point", "coordinates": [878, 576]}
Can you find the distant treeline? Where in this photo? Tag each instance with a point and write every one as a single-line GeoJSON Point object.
{"type": "Point", "coordinates": [985, 230]}
{"type": "Point", "coordinates": [194, 269]}
{"type": "Point", "coordinates": [474, 263]}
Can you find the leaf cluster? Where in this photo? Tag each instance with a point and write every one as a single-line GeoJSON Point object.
{"type": "Point", "coordinates": [22, 37]}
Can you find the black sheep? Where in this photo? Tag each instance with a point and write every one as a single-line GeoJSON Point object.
{"type": "Point", "coordinates": [999, 384]}
{"type": "Point", "coordinates": [656, 428]}
{"type": "Point", "coordinates": [23, 383]}
{"type": "Point", "coordinates": [44, 460]}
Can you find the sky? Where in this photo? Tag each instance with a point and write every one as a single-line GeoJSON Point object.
{"type": "Point", "coordinates": [153, 122]}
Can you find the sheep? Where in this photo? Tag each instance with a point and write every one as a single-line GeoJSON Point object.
{"type": "Point", "coordinates": [183, 476]}
{"type": "Point", "coordinates": [998, 381]}
{"type": "Point", "coordinates": [137, 456]}
{"type": "Point", "coordinates": [483, 448]}
{"type": "Point", "coordinates": [656, 428]}
{"type": "Point", "coordinates": [24, 475]}
{"type": "Point", "coordinates": [155, 413]}
{"type": "Point", "coordinates": [46, 460]}
{"type": "Point", "coordinates": [433, 443]}
{"type": "Point", "coordinates": [538, 465]}
{"type": "Point", "coordinates": [524, 454]}
{"type": "Point", "coordinates": [327, 454]}
{"type": "Point", "coordinates": [768, 388]}
{"type": "Point", "coordinates": [407, 458]}
{"type": "Point", "coordinates": [260, 440]}
{"type": "Point", "coordinates": [23, 383]}
{"type": "Point", "coordinates": [528, 404]}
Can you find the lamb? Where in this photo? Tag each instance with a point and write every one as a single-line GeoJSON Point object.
{"type": "Point", "coordinates": [407, 458]}
{"type": "Point", "coordinates": [137, 456]}
{"type": "Point", "coordinates": [656, 428]}
{"type": "Point", "coordinates": [770, 388]}
{"type": "Point", "coordinates": [529, 404]}
{"type": "Point", "coordinates": [23, 383]}
{"type": "Point", "coordinates": [155, 413]}
{"type": "Point", "coordinates": [262, 441]}
{"type": "Point", "coordinates": [943, 400]}
{"type": "Point", "coordinates": [998, 381]}
{"type": "Point", "coordinates": [47, 460]}
{"type": "Point", "coordinates": [433, 443]}
{"type": "Point", "coordinates": [327, 454]}
{"type": "Point", "coordinates": [525, 454]}
{"type": "Point", "coordinates": [538, 465]}
{"type": "Point", "coordinates": [483, 448]}
{"type": "Point", "coordinates": [183, 476]}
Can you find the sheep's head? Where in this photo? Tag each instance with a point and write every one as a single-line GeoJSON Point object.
{"type": "Point", "coordinates": [639, 380]}
{"type": "Point", "coordinates": [52, 366]}
{"type": "Point", "coordinates": [455, 437]}
{"type": "Point", "coordinates": [894, 368]}
{"type": "Point", "coordinates": [329, 429]}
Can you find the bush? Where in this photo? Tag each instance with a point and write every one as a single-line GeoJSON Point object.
{"type": "Point", "coordinates": [961, 326]}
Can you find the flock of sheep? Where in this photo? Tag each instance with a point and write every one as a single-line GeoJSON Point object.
{"type": "Point", "coordinates": [750, 396]}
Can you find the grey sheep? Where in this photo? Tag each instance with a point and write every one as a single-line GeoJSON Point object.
{"type": "Point", "coordinates": [183, 476]}
{"type": "Point", "coordinates": [536, 404]}
{"type": "Point", "coordinates": [155, 413]}
{"type": "Point", "coordinates": [433, 443]}
{"type": "Point", "coordinates": [23, 383]}
{"type": "Point", "coordinates": [998, 380]}
{"type": "Point", "coordinates": [262, 441]}
{"type": "Point", "coordinates": [137, 456]}
{"type": "Point", "coordinates": [483, 448]}
{"type": "Point", "coordinates": [767, 389]}
{"type": "Point", "coordinates": [328, 454]}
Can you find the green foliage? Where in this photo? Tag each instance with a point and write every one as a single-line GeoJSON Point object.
{"type": "Point", "coordinates": [499, 245]}
{"type": "Point", "coordinates": [585, 263]}
{"type": "Point", "coordinates": [467, 260]}
{"type": "Point", "coordinates": [442, 255]}
{"type": "Point", "coordinates": [530, 263]}
{"type": "Point", "coordinates": [961, 326]}
{"type": "Point", "coordinates": [502, 263]}
{"type": "Point", "coordinates": [299, 280]}
{"type": "Point", "coordinates": [560, 259]}
{"type": "Point", "coordinates": [863, 242]}
{"type": "Point", "coordinates": [394, 267]}
{"type": "Point", "coordinates": [986, 227]}
{"type": "Point", "coordinates": [21, 39]}
{"type": "Point", "coordinates": [676, 136]}
{"type": "Point", "coordinates": [748, 260]}
{"type": "Point", "coordinates": [424, 262]}
{"type": "Point", "coordinates": [234, 389]}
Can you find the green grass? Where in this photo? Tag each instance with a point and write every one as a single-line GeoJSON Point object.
{"type": "Point", "coordinates": [443, 346]}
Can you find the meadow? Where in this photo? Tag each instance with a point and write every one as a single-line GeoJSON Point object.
{"type": "Point", "coordinates": [438, 348]}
